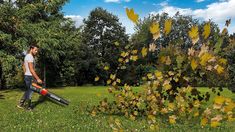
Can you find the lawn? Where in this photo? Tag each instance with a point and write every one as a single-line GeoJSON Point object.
{"type": "Point", "coordinates": [48, 116]}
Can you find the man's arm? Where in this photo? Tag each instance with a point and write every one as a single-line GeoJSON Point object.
{"type": "Point", "coordinates": [30, 64]}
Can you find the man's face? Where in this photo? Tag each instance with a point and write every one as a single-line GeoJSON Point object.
{"type": "Point", "coordinates": [34, 51]}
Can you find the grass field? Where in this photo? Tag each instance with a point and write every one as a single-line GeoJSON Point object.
{"type": "Point", "coordinates": [48, 116]}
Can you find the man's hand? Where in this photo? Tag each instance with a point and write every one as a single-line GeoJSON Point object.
{"type": "Point", "coordinates": [39, 81]}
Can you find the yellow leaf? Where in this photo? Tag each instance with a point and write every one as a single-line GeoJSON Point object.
{"type": "Point", "coordinates": [108, 81]}
{"type": "Point", "coordinates": [171, 106]}
{"type": "Point", "coordinates": [217, 106]}
{"type": "Point", "coordinates": [144, 51]}
{"type": "Point", "coordinates": [194, 64]}
{"type": "Point", "coordinates": [168, 60]}
{"type": "Point", "coordinates": [223, 61]}
{"type": "Point", "coordinates": [116, 43]}
{"type": "Point", "coordinates": [167, 86]}
{"type": "Point", "coordinates": [134, 51]}
{"type": "Point", "coordinates": [225, 31]}
{"type": "Point", "coordinates": [196, 114]}
{"type": "Point", "coordinates": [193, 34]}
{"type": "Point", "coordinates": [231, 118]}
{"type": "Point", "coordinates": [93, 113]}
{"type": "Point", "coordinates": [114, 83]}
{"type": "Point", "coordinates": [98, 94]}
{"type": "Point", "coordinates": [196, 103]}
{"type": "Point", "coordinates": [135, 113]}
{"type": "Point", "coordinates": [164, 111]}
{"type": "Point", "coordinates": [219, 69]}
{"type": "Point", "coordinates": [207, 30]}
{"type": "Point", "coordinates": [118, 80]}
{"type": "Point", "coordinates": [124, 54]}
{"type": "Point", "coordinates": [131, 15]}
{"type": "Point", "coordinates": [112, 76]}
{"type": "Point", "coordinates": [167, 26]}
{"type": "Point", "coordinates": [162, 59]}
{"type": "Point", "coordinates": [117, 122]}
{"type": "Point", "coordinates": [106, 68]}
{"type": "Point", "coordinates": [204, 121]}
{"type": "Point", "coordinates": [219, 100]}
{"type": "Point", "coordinates": [155, 30]}
{"type": "Point", "coordinates": [97, 78]}
{"type": "Point", "coordinates": [134, 57]}
{"type": "Point", "coordinates": [150, 76]}
{"type": "Point", "coordinates": [120, 60]}
{"type": "Point", "coordinates": [158, 74]}
{"type": "Point", "coordinates": [204, 49]}
{"type": "Point", "coordinates": [132, 117]}
{"type": "Point", "coordinates": [152, 47]}
{"type": "Point", "coordinates": [205, 58]}
{"type": "Point", "coordinates": [214, 124]}
{"type": "Point", "coordinates": [172, 119]}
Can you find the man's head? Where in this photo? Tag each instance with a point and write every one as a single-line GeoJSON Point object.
{"type": "Point", "coordinates": [33, 49]}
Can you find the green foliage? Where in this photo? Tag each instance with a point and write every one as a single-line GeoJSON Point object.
{"type": "Point", "coordinates": [102, 39]}
{"type": "Point", "coordinates": [38, 21]}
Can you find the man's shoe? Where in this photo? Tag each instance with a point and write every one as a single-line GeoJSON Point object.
{"type": "Point", "coordinates": [20, 106]}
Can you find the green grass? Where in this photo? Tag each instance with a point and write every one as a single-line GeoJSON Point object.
{"type": "Point", "coordinates": [50, 116]}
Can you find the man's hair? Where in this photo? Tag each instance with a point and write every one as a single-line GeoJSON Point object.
{"type": "Point", "coordinates": [32, 46]}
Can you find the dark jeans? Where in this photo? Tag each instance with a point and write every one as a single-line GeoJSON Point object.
{"type": "Point", "coordinates": [28, 83]}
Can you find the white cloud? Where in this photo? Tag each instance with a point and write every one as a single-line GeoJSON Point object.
{"type": "Point", "coordinates": [116, 1]}
{"type": "Point", "coordinates": [218, 12]}
{"type": "Point", "coordinates": [164, 3]}
{"type": "Point", "coordinates": [76, 18]}
{"type": "Point", "coordinates": [198, 1]}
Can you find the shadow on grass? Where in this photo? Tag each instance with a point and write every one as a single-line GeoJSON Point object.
{"type": "Point", "coordinates": [43, 99]}
{"type": "Point", "coordinates": [2, 96]}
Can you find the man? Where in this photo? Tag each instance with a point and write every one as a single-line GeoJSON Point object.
{"type": "Point", "coordinates": [29, 76]}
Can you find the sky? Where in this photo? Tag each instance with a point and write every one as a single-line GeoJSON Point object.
{"type": "Point", "coordinates": [217, 10]}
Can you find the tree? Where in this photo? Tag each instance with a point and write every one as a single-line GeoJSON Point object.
{"type": "Point", "coordinates": [25, 22]}
{"type": "Point", "coordinates": [103, 37]}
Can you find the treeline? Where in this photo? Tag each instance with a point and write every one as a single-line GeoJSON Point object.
{"type": "Point", "coordinates": [71, 56]}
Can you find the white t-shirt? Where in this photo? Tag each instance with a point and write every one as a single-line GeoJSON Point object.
{"type": "Point", "coordinates": [28, 58]}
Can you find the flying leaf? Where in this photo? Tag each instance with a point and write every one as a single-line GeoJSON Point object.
{"type": "Point", "coordinates": [227, 23]}
{"type": "Point", "coordinates": [131, 15]}
{"type": "Point", "coordinates": [155, 30]}
{"type": "Point", "coordinates": [106, 68]}
{"type": "Point", "coordinates": [193, 34]}
{"type": "Point", "coordinates": [225, 31]}
{"type": "Point", "coordinates": [112, 76]}
{"type": "Point", "coordinates": [97, 78]}
{"type": "Point", "coordinates": [152, 47]}
{"type": "Point", "coordinates": [204, 121]}
{"type": "Point", "coordinates": [168, 60]}
{"type": "Point", "coordinates": [194, 64]}
{"type": "Point", "coordinates": [134, 57]}
{"type": "Point", "coordinates": [144, 51]}
{"type": "Point", "coordinates": [167, 26]}
{"type": "Point", "coordinates": [207, 30]}
{"type": "Point", "coordinates": [219, 69]}
{"type": "Point", "coordinates": [191, 52]}
{"type": "Point", "coordinates": [172, 119]}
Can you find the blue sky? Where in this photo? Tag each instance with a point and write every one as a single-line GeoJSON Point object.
{"type": "Point", "coordinates": [217, 10]}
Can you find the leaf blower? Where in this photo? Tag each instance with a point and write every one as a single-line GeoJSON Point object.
{"type": "Point", "coordinates": [43, 91]}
